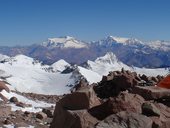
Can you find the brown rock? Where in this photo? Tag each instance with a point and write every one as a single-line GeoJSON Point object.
{"type": "Point", "coordinates": [5, 110]}
{"type": "Point", "coordinates": [124, 102]}
{"type": "Point", "coordinates": [155, 79]}
{"type": "Point", "coordinates": [109, 87]}
{"type": "Point", "coordinates": [126, 120]}
{"type": "Point", "coordinates": [152, 92]}
{"type": "Point", "coordinates": [41, 115]}
{"type": "Point", "coordinates": [13, 99]}
{"type": "Point", "coordinates": [21, 124]}
{"type": "Point", "coordinates": [48, 111]}
{"type": "Point", "coordinates": [145, 78]}
{"type": "Point", "coordinates": [72, 119]}
{"type": "Point", "coordinates": [81, 84]}
{"type": "Point", "coordinates": [3, 86]}
{"type": "Point", "coordinates": [84, 98]}
{"type": "Point", "coordinates": [20, 104]}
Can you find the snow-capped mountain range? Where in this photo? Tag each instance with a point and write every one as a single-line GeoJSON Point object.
{"type": "Point", "coordinates": [64, 42]}
{"type": "Point", "coordinates": [131, 51]}
{"type": "Point", "coordinates": [26, 74]}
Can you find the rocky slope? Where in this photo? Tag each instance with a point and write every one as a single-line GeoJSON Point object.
{"type": "Point", "coordinates": [122, 99]}
{"type": "Point", "coordinates": [114, 102]}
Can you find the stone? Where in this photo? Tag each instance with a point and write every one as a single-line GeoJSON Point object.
{"type": "Point", "coordinates": [13, 99]}
{"type": "Point", "coordinates": [41, 115]}
{"type": "Point", "coordinates": [84, 98]}
{"type": "Point", "coordinates": [20, 104]}
{"type": "Point", "coordinates": [109, 87]}
{"type": "Point", "coordinates": [72, 119]}
{"type": "Point", "coordinates": [152, 92]}
{"type": "Point", "coordinates": [3, 87]}
{"type": "Point", "coordinates": [49, 112]}
{"type": "Point", "coordinates": [5, 110]}
{"type": "Point", "coordinates": [126, 120]}
{"type": "Point", "coordinates": [149, 109]}
{"type": "Point", "coordinates": [123, 102]}
{"type": "Point", "coordinates": [21, 124]}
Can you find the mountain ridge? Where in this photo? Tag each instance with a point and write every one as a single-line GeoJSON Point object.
{"type": "Point", "coordinates": [131, 51]}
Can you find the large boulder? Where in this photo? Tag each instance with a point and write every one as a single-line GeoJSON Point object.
{"type": "Point", "coordinates": [149, 109]}
{"type": "Point", "coordinates": [83, 98]}
{"type": "Point", "coordinates": [126, 120]}
{"type": "Point", "coordinates": [162, 121]}
{"type": "Point", "coordinates": [123, 102]}
{"type": "Point", "coordinates": [152, 92]}
{"type": "Point", "coordinates": [72, 119]}
{"type": "Point", "coordinates": [114, 83]}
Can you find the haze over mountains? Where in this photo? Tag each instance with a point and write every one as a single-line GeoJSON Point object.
{"type": "Point", "coordinates": [130, 51]}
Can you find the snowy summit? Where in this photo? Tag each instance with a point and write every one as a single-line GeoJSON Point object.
{"type": "Point", "coordinates": [64, 42]}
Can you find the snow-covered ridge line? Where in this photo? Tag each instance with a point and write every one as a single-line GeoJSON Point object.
{"type": "Point", "coordinates": [64, 42]}
{"type": "Point", "coordinates": [71, 42]}
{"type": "Point", "coordinates": [27, 75]}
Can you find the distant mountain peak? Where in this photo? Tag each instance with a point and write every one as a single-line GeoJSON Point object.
{"type": "Point", "coordinates": [110, 40]}
{"type": "Point", "coordinates": [109, 58]}
{"type": "Point", "coordinates": [125, 40]}
{"type": "Point", "coordinates": [60, 65]}
{"type": "Point", "coordinates": [64, 42]}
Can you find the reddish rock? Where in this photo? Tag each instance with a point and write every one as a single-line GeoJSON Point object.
{"type": "Point", "coordinates": [114, 83]}
{"type": "Point", "coordinates": [41, 115]}
{"type": "Point", "coordinates": [124, 102]}
{"type": "Point", "coordinates": [84, 98]}
{"type": "Point", "coordinates": [4, 110]}
{"type": "Point", "coordinates": [126, 120]}
{"type": "Point", "coordinates": [21, 124]}
{"type": "Point", "coordinates": [48, 111]}
{"type": "Point", "coordinates": [3, 86]}
{"type": "Point", "coordinates": [20, 104]}
{"type": "Point", "coordinates": [13, 99]}
{"type": "Point", "coordinates": [152, 92]}
{"type": "Point", "coordinates": [72, 119]}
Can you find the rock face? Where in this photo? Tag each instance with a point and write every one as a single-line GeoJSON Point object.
{"type": "Point", "coordinates": [123, 102]}
{"type": "Point", "coordinates": [126, 120]}
{"type": "Point", "coordinates": [123, 99]}
{"type": "Point", "coordinates": [3, 86]}
{"type": "Point", "coordinates": [82, 99]}
{"type": "Point", "coordinates": [72, 119]}
{"type": "Point", "coordinates": [41, 115]}
{"type": "Point", "coordinates": [117, 81]}
{"type": "Point", "coordinates": [71, 110]}
{"type": "Point", "coordinates": [152, 92]}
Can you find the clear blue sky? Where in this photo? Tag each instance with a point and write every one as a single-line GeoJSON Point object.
{"type": "Point", "coordinates": [24, 22]}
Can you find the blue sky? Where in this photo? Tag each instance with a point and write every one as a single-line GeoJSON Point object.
{"type": "Point", "coordinates": [24, 22]}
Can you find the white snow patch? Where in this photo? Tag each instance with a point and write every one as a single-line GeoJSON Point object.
{"type": "Point", "coordinates": [60, 65]}
{"type": "Point", "coordinates": [91, 76]}
{"type": "Point", "coordinates": [64, 42]}
{"type": "Point", "coordinates": [36, 105]}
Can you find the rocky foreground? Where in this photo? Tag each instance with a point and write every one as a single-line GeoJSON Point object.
{"type": "Point", "coordinates": [123, 99]}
